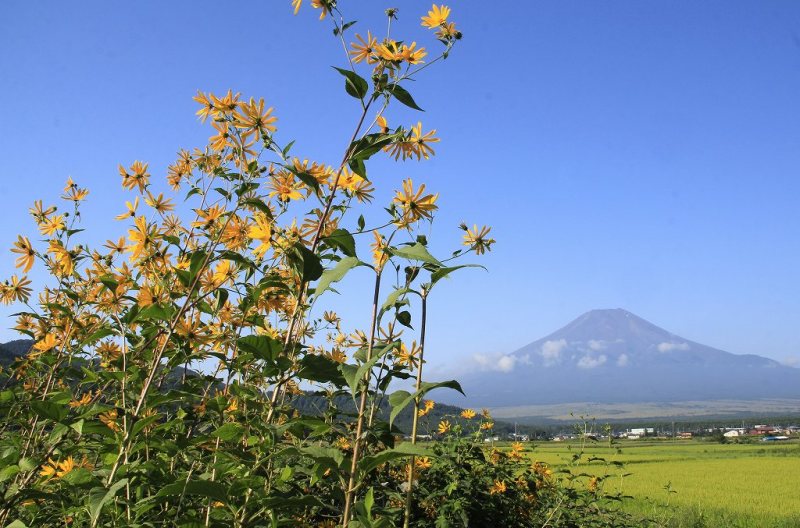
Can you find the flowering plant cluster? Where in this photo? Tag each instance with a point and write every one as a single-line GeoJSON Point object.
{"type": "Point", "coordinates": [166, 365]}
{"type": "Point", "coordinates": [169, 375]}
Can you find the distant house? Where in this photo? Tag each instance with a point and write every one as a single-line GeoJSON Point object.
{"type": "Point", "coordinates": [733, 433]}
{"type": "Point", "coordinates": [685, 435]}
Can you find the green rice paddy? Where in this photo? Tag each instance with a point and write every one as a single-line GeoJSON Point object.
{"type": "Point", "coordinates": [693, 483]}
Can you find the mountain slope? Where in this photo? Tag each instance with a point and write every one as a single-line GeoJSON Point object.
{"type": "Point", "coordinates": [614, 356]}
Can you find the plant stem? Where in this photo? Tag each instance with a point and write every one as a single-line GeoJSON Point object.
{"type": "Point", "coordinates": [350, 491]}
{"type": "Point", "coordinates": [415, 419]}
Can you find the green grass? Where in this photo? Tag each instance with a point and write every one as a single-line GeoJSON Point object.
{"type": "Point", "coordinates": [694, 483]}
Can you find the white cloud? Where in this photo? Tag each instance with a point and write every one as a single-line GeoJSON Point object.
{"type": "Point", "coordinates": [669, 347]}
{"type": "Point", "coordinates": [622, 360]}
{"type": "Point", "coordinates": [551, 351]}
{"type": "Point", "coordinates": [502, 363]}
{"type": "Point", "coordinates": [588, 362]}
{"type": "Point", "coordinates": [597, 345]}
{"type": "Point", "coordinates": [506, 363]}
{"type": "Point", "coordinates": [791, 361]}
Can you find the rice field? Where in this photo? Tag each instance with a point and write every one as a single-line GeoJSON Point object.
{"type": "Point", "coordinates": [694, 483]}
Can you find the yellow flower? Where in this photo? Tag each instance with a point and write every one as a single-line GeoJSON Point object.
{"type": "Point", "coordinates": [414, 204]}
{"type": "Point", "coordinates": [477, 239]}
{"type": "Point", "coordinates": [412, 55]}
{"type": "Point", "coordinates": [444, 427]}
{"type": "Point", "coordinates": [422, 462]}
{"type": "Point", "coordinates": [16, 290]}
{"type": "Point", "coordinates": [47, 343]}
{"type": "Point", "coordinates": [321, 4]}
{"type": "Point", "coordinates": [498, 487]}
{"type": "Point", "coordinates": [364, 49]}
{"type": "Point", "coordinates": [206, 106]}
{"type": "Point", "coordinates": [284, 187]}
{"type": "Point", "coordinates": [592, 484]}
{"type": "Point", "coordinates": [59, 469]}
{"type": "Point", "coordinates": [486, 426]}
{"type": "Point", "coordinates": [142, 237]}
{"type": "Point", "coordinates": [516, 451]}
{"type": "Point", "coordinates": [52, 224]}
{"type": "Point", "coordinates": [448, 31]}
{"type": "Point", "coordinates": [379, 254]}
{"type": "Point", "coordinates": [109, 351]}
{"type": "Point", "coordinates": [224, 273]}
{"type": "Point", "coordinates": [39, 212]}
{"type": "Point", "coordinates": [223, 137]}
{"type": "Point", "coordinates": [110, 419]}
{"type": "Point", "coordinates": [296, 5]}
{"type": "Point", "coordinates": [86, 399]}
{"type": "Point", "coordinates": [73, 193]}
{"type": "Point", "coordinates": [262, 233]}
{"type": "Point", "coordinates": [63, 263]}
{"type": "Point", "coordinates": [115, 247]}
{"type": "Point", "coordinates": [253, 116]}
{"type": "Point", "coordinates": [159, 203]}
{"type": "Point", "coordinates": [207, 218]}
{"type": "Point", "coordinates": [138, 177]}
{"type": "Point", "coordinates": [427, 407]}
{"type": "Point", "coordinates": [436, 17]}
{"type": "Point", "coordinates": [468, 414]}
{"type": "Point", "coordinates": [342, 443]}
{"type": "Point", "coordinates": [408, 357]}
{"type": "Point", "coordinates": [420, 143]}
{"type": "Point", "coordinates": [383, 124]}
{"type": "Point", "coordinates": [26, 253]}
{"type": "Point", "coordinates": [225, 104]}
{"type": "Point", "coordinates": [131, 210]}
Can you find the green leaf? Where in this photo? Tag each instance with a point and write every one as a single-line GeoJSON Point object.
{"type": "Point", "coordinates": [403, 96]}
{"type": "Point", "coordinates": [229, 431]}
{"type": "Point", "coordinates": [428, 386]}
{"type": "Point", "coordinates": [343, 240]}
{"type": "Point", "coordinates": [336, 274]}
{"type": "Point", "coordinates": [203, 488]}
{"type": "Point", "coordinates": [155, 312]}
{"type": "Point", "coordinates": [329, 456]}
{"type": "Point", "coordinates": [354, 84]}
{"type": "Point", "coordinates": [398, 401]}
{"type": "Point", "coordinates": [322, 369]}
{"type": "Point", "coordinates": [49, 410]}
{"type": "Point", "coordinates": [78, 477]}
{"type": "Point", "coordinates": [368, 145]}
{"type": "Point", "coordinates": [354, 374]}
{"type": "Point", "coordinates": [415, 252]}
{"type": "Point", "coordinates": [306, 262]}
{"type": "Point", "coordinates": [144, 422]}
{"type": "Point", "coordinates": [100, 334]}
{"type": "Point", "coordinates": [17, 524]}
{"type": "Point", "coordinates": [196, 263]}
{"type": "Point", "coordinates": [441, 273]}
{"type": "Point", "coordinates": [262, 347]}
{"type": "Point", "coordinates": [98, 497]}
{"type": "Point", "coordinates": [392, 298]}
{"type": "Point", "coordinates": [259, 204]}
{"type": "Point", "coordinates": [337, 30]}
{"type": "Point", "coordinates": [404, 318]}
{"type": "Point", "coordinates": [357, 166]}
{"type": "Point", "coordinates": [368, 463]}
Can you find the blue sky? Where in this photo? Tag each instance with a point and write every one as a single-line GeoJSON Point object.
{"type": "Point", "coordinates": [632, 154]}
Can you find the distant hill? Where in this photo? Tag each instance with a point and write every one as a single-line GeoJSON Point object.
{"type": "Point", "coordinates": [14, 349]}
{"type": "Point", "coordinates": [614, 356]}
{"type": "Point", "coordinates": [311, 403]}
